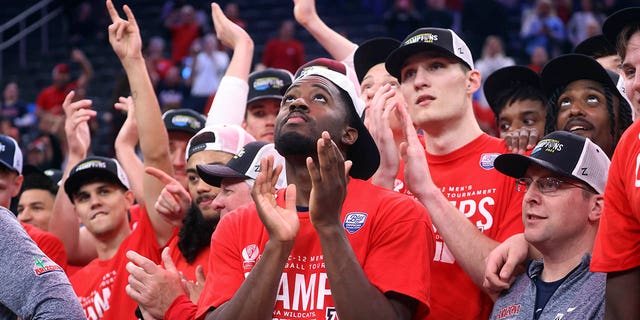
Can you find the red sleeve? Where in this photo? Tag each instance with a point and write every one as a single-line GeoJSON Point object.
{"type": "Point", "coordinates": [617, 245]}
{"type": "Point", "coordinates": [181, 309]}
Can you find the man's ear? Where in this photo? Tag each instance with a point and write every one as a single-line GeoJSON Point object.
{"type": "Point", "coordinates": [597, 203]}
{"type": "Point", "coordinates": [17, 185]}
{"type": "Point", "coordinates": [349, 136]}
{"type": "Point", "coordinates": [474, 81]}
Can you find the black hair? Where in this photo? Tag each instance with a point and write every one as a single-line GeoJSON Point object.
{"type": "Point", "coordinates": [38, 181]}
{"type": "Point", "coordinates": [195, 234]}
{"type": "Point", "coordinates": [517, 93]}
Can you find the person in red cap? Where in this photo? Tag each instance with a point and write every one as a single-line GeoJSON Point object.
{"type": "Point", "coordinates": [50, 98]}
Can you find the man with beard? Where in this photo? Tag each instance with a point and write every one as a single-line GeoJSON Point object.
{"type": "Point", "coordinates": [339, 237]}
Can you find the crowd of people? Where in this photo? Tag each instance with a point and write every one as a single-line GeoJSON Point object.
{"type": "Point", "coordinates": [357, 186]}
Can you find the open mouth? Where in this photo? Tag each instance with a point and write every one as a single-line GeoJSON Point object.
{"type": "Point", "coordinates": [578, 125]}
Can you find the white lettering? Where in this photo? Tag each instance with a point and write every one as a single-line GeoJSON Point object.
{"type": "Point", "coordinates": [301, 289]}
{"type": "Point", "coordinates": [487, 201]}
{"type": "Point", "coordinates": [283, 292]}
{"type": "Point", "coordinates": [322, 291]}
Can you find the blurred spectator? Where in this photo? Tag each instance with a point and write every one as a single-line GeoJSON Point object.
{"type": "Point", "coordinates": [157, 63]}
{"type": "Point", "coordinates": [232, 11]}
{"type": "Point", "coordinates": [538, 59]}
{"type": "Point", "coordinates": [437, 15]}
{"type": "Point", "coordinates": [284, 52]}
{"type": "Point", "coordinates": [584, 21]}
{"type": "Point", "coordinates": [15, 110]}
{"type": "Point", "coordinates": [50, 98]}
{"type": "Point", "coordinates": [542, 27]}
{"type": "Point", "coordinates": [172, 91]}
{"type": "Point", "coordinates": [401, 19]}
{"type": "Point", "coordinates": [83, 25]}
{"type": "Point", "coordinates": [493, 58]}
{"type": "Point", "coordinates": [184, 28]}
{"type": "Point", "coordinates": [44, 152]}
{"type": "Point", "coordinates": [207, 70]}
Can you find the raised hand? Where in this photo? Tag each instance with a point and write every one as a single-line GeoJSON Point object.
{"type": "Point", "coordinates": [282, 223]}
{"type": "Point", "coordinates": [128, 134]}
{"type": "Point", "coordinates": [152, 286]}
{"type": "Point", "coordinates": [416, 170]}
{"type": "Point", "coordinates": [76, 125]}
{"type": "Point", "coordinates": [329, 180]}
{"type": "Point", "coordinates": [227, 32]}
{"type": "Point", "coordinates": [304, 11]}
{"type": "Point", "coordinates": [174, 200]}
{"type": "Point", "coordinates": [382, 106]}
{"type": "Point", "coordinates": [124, 35]}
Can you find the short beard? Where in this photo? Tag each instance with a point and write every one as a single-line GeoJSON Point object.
{"type": "Point", "coordinates": [294, 144]}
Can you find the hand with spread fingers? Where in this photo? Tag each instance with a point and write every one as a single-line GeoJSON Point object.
{"type": "Point", "coordinates": [154, 287]}
{"type": "Point", "coordinates": [521, 140]}
{"type": "Point", "coordinates": [174, 200]}
{"type": "Point", "coordinates": [329, 178]}
{"type": "Point", "coordinates": [382, 105]}
{"type": "Point", "coordinates": [76, 125]}
{"type": "Point", "coordinates": [124, 35]}
{"type": "Point", "coordinates": [282, 223]}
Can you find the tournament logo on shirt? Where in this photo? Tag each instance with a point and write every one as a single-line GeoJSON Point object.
{"type": "Point", "coordinates": [354, 221]}
{"type": "Point", "coordinates": [486, 160]}
{"type": "Point", "coordinates": [42, 265]}
{"type": "Point", "coordinates": [249, 255]}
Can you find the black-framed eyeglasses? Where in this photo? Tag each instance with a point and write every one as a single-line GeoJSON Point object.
{"type": "Point", "coordinates": [546, 184]}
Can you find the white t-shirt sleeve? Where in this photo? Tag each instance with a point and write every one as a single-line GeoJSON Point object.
{"type": "Point", "coordinates": [230, 102]}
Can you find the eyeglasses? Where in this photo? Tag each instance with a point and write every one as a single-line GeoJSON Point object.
{"type": "Point", "coordinates": [546, 184]}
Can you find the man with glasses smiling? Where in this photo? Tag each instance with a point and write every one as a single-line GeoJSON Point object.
{"type": "Point", "coordinates": [562, 181]}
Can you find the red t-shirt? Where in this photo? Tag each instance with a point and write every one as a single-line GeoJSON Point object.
{"type": "Point", "coordinates": [100, 285]}
{"type": "Point", "coordinates": [390, 234]}
{"type": "Point", "coordinates": [617, 245]}
{"type": "Point", "coordinates": [489, 200]}
{"type": "Point", "coordinates": [182, 35]}
{"type": "Point", "coordinates": [188, 269]}
{"type": "Point", "coordinates": [288, 55]}
{"type": "Point", "coordinates": [51, 98]}
{"type": "Point", "coordinates": [48, 243]}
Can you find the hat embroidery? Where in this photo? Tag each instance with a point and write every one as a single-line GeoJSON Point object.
{"type": "Point", "coordinates": [354, 221]}
{"type": "Point", "coordinates": [423, 37]}
{"type": "Point", "coordinates": [268, 82]}
{"type": "Point", "coordinates": [548, 145]}
{"type": "Point", "coordinates": [3, 148]}
{"type": "Point", "coordinates": [487, 159]}
{"type": "Point", "coordinates": [186, 121]}
{"type": "Point", "coordinates": [91, 164]}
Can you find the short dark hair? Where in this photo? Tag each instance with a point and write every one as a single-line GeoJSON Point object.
{"type": "Point", "coordinates": [623, 38]}
{"type": "Point", "coordinates": [519, 93]}
{"type": "Point", "coordinates": [38, 181]}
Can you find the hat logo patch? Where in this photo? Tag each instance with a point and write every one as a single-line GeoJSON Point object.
{"type": "Point", "coordinates": [548, 145]}
{"type": "Point", "coordinates": [309, 69]}
{"type": "Point", "coordinates": [91, 164]}
{"type": "Point", "coordinates": [354, 221]}
{"type": "Point", "coordinates": [423, 37]}
{"type": "Point", "coordinates": [3, 148]}
{"type": "Point", "coordinates": [268, 82]}
{"type": "Point", "coordinates": [487, 159]}
{"type": "Point", "coordinates": [186, 121]}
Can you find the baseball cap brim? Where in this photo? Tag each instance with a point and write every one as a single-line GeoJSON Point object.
{"type": "Point", "coordinates": [567, 68]}
{"type": "Point", "coordinates": [372, 52]}
{"type": "Point", "coordinates": [213, 174]}
{"type": "Point", "coordinates": [271, 96]}
{"type": "Point", "coordinates": [516, 165]}
{"type": "Point", "coordinates": [614, 24]}
{"type": "Point", "coordinates": [78, 179]}
{"type": "Point", "coordinates": [505, 78]}
{"type": "Point", "coordinates": [596, 47]}
{"type": "Point", "coordinates": [397, 59]}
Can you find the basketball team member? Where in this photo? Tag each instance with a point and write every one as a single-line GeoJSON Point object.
{"type": "Point", "coordinates": [437, 79]}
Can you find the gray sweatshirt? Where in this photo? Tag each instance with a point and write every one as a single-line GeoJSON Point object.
{"type": "Point", "coordinates": [32, 286]}
{"type": "Point", "coordinates": [580, 296]}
